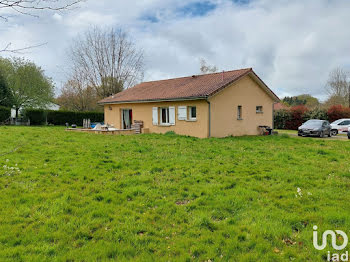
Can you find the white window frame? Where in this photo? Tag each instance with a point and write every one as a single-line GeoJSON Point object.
{"type": "Point", "coordinates": [167, 116]}
{"type": "Point", "coordinates": [259, 111]}
{"type": "Point", "coordinates": [190, 118]}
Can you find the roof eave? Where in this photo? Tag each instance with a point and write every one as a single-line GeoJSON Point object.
{"type": "Point", "coordinates": [154, 100]}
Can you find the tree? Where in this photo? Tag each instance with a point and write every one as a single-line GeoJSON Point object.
{"type": "Point", "coordinates": [294, 101]}
{"type": "Point", "coordinates": [338, 87]}
{"type": "Point", "coordinates": [31, 8]}
{"type": "Point", "coordinates": [309, 101]}
{"type": "Point", "coordinates": [28, 7]}
{"type": "Point", "coordinates": [108, 60]}
{"type": "Point", "coordinates": [76, 97]}
{"type": "Point", "coordinates": [28, 84]}
{"type": "Point", "coordinates": [5, 93]}
{"type": "Point", "coordinates": [205, 69]}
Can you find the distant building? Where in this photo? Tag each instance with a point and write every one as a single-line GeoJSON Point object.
{"type": "Point", "coordinates": [279, 106]}
{"type": "Point", "coordinates": [50, 106]}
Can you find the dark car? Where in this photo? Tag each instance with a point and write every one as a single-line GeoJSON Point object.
{"type": "Point", "coordinates": [349, 133]}
{"type": "Point", "coordinates": [315, 127]}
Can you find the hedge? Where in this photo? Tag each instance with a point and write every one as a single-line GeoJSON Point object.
{"type": "Point", "coordinates": [36, 116]}
{"type": "Point", "coordinates": [338, 112]}
{"type": "Point", "coordinates": [295, 116]}
{"type": "Point", "coordinates": [70, 117]}
{"type": "Point", "coordinates": [280, 118]}
{"type": "Point", "coordinates": [40, 116]}
{"type": "Point", "coordinates": [5, 113]}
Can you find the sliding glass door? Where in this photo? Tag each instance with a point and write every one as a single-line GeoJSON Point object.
{"type": "Point", "coordinates": [126, 118]}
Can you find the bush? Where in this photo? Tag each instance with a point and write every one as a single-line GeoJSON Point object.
{"type": "Point", "coordinates": [70, 117]}
{"type": "Point", "coordinates": [294, 117]}
{"type": "Point", "coordinates": [36, 116]}
{"type": "Point", "coordinates": [297, 117]}
{"type": "Point", "coordinates": [281, 117]}
{"type": "Point", "coordinates": [316, 114]}
{"type": "Point", "coordinates": [5, 113]}
{"type": "Point", "coordinates": [338, 112]}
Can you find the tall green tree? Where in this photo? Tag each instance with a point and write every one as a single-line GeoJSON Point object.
{"type": "Point", "coordinates": [5, 93]}
{"type": "Point", "coordinates": [27, 82]}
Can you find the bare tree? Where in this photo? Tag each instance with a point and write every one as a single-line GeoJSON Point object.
{"type": "Point", "coordinates": [30, 8]}
{"type": "Point", "coordinates": [205, 68]}
{"type": "Point", "coordinates": [76, 97]}
{"type": "Point", "coordinates": [338, 86]}
{"type": "Point", "coordinates": [107, 59]}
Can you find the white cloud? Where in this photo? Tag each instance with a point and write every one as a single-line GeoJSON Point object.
{"type": "Point", "coordinates": [292, 45]}
{"type": "Point", "coordinates": [57, 17]}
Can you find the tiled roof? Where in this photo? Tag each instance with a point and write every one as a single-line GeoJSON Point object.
{"type": "Point", "coordinates": [198, 86]}
{"type": "Point", "coordinates": [279, 106]}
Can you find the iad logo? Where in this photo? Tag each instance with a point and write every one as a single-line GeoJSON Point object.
{"type": "Point", "coordinates": [335, 256]}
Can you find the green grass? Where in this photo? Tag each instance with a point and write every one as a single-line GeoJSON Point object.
{"type": "Point", "coordinates": [69, 196]}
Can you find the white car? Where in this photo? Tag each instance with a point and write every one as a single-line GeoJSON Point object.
{"type": "Point", "coordinates": [340, 126]}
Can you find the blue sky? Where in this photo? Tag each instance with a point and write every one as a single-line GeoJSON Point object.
{"type": "Point", "coordinates": [200, 8]}
{"type": "Point", "coordinates": [292, 45]}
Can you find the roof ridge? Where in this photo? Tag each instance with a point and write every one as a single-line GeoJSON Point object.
{"type": "Point", "coordinates": [182, 77]}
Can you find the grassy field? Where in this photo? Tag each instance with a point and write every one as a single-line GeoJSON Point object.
{"type": "Point", "coordinates": [69, 196]}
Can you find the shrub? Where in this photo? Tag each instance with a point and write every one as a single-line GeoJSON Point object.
{"type": "Point", "coordinates": [338, 112]}
{"type": "Point", "coordinates": [316, 114]}
{"type": "Point", "coordinates": [297, 117]}
{"type": "Point", "coordinates": [281, 117]}
{"type": "Point", "coordinates": [294, 117]}
{"type": "Point", "coordinates": [63, 117]}
{"type": "Point", "coordinates": [5, 113]}
{"type": "Point", "coordinates": [170, 133]}
{"type": "Point", "coordinates": [36, 116]}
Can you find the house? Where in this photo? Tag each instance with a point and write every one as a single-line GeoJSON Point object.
{"type": "Point", "coordinates": [49, 106]}
{"type": "Point", "coordinates": [212, 105]}
{"type": "Point", "coordinates": [280, 106]}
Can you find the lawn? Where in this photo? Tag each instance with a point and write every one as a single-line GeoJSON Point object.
{"type": "Point", "coordinates": [69, 196]}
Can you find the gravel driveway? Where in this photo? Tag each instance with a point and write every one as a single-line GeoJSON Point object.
{"type": "Point", "coordinates": [295, 133]}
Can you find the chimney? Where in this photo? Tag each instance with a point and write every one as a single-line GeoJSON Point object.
{"type": "Point", "coordinates": [223, 74]}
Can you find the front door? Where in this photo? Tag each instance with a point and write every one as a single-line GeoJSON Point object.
{"type": "Point", "coordinates": [126, 118]}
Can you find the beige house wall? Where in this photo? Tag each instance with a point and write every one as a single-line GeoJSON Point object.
{"type": "Point", "coordinates": [224, 106]}
{"type": "Point", "coordinates": [245, 92]}
{"type": "Point", "coordinates": [143, 111]}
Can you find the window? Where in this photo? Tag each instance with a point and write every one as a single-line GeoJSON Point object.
{"type": "Point", "coordinates": [239, 113]}
{"type": "Point", "coordinates": [164, 115]}
{"type": "Point", "coordinates": [259, 109]}
{"type": "Point", "coordinates": [193, 112]}
{"type": "Point", "coordinates": [344, 123]}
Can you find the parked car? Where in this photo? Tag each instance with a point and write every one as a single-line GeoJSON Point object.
{"type": "Point", "coordinates": [315, 127]}
{"type": "Point", "coordinates": [340, 126]}
{"type": "Point", "coordinates": [349, 132]}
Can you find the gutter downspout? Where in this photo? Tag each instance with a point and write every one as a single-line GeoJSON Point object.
{"type": "Point", "coordinates": [273, 114]}
{"type": "Point", "coordinates": [209, 109]}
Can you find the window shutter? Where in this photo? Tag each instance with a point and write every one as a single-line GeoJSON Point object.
{"type": "Point", "coordinates": [172, 115]}
{"type": "Point", "coordinates": [155, 116]}
{"type": "Point", "coordinates": [182, 112]}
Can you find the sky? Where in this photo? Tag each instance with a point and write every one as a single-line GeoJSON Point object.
{"type": "Point", "coordinates": [291, 45]}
